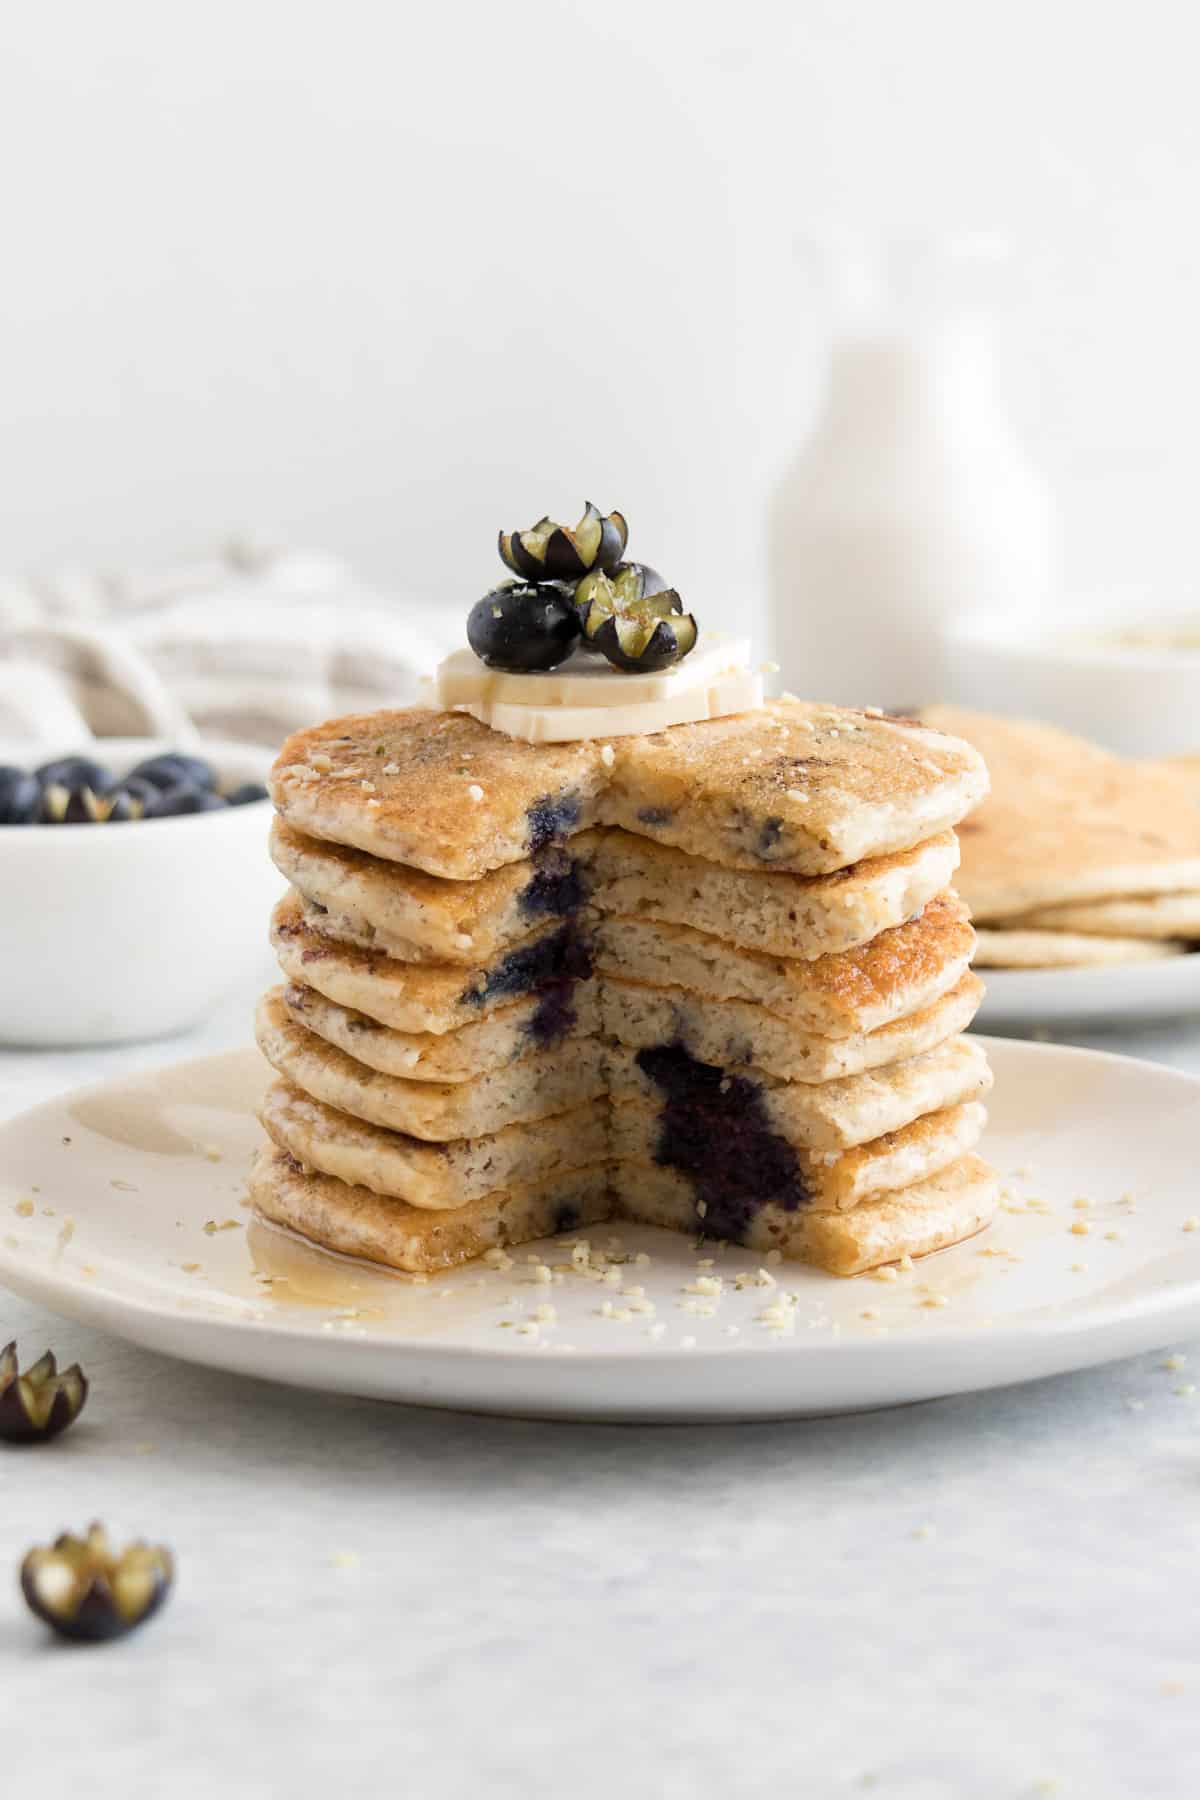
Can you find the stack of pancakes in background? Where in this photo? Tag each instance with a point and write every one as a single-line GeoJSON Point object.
{"type": "Point", "coordinates": [715, 979]}
{"type": "Point", "coordinates": [1077, 857]}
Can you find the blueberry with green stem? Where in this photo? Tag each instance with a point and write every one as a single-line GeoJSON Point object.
{"type": "Point", "coordinates": [634, 619]}
{"type": "Point", "coordinates": [626, 582]}
{"type": "Point", "coordinates": [552, 552]}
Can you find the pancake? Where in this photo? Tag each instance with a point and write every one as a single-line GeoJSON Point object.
{"type": "Point", "coordinates": [898, 973]}
{"type": "Point", "coordinates": [1186, 765]}
{"type": "Point", "coordinates": [431, 1175]}
{"type": "Point", "coordinates": [429, 997]}
{"type": "Point", "coordinates": [1067, 821]}
{"type": "Point", "coordinates": [717, 1116]}
{"type": "Point", "coordinates": [1137, 916]}
{"type": "Point", "coordinates": [829, 1115]}
{"type": "Point", "coordinates": [833, 1181]}
{"type": "Point", "coordinates": [356, 1222]}
{"type": "Point", "coordinates": [1004, 949]}
{"type": "Point", "coordinates": [932, 1214]}
{"type": "Point", "coordinates": [492, 1042]}
{"type": "Point", "coordinates": [535, 1088]}
{"type": "Point", "coordinates": [715, 972]}
{"type": "Point", "coordinates": [423, 770]}
{"type": "Point", "coordinates": [418, 917]}
{"type": "Point", "coordinates": [794, 786]}
{"type": "Point", "coordinates": [734, 1033]}
{"type": "Point", "coordinates": [738, 1033]}
{"type": "Point", "coordinates": [780, 914]}
{"type": "Point", "coordinates": [446, 1175]}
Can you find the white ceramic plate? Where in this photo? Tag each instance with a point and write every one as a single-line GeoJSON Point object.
{"type": "Point", "coordinates": [1120, 994]}
{"type": "Point", "coordinates": [121, 1206]}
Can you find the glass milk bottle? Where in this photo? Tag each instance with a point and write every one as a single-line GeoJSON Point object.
{"type": "Point", "coordinates": [911, 504]}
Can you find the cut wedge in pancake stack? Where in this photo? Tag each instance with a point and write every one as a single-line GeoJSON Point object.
{"type": "Point", "coordinates": [1077, 858]}
{"type": "Point", "coordinates": [714, 979]}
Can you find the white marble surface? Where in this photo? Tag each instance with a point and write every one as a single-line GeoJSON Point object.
{"type": "Point", "coordinates": [974, 1599]}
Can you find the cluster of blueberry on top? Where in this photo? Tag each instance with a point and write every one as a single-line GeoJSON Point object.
{"type": "Point", "coordinates": [74, 790]}
{"type": "Point", "coordinates": [574, 592]}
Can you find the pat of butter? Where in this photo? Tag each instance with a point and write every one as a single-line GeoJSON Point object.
{"type": "Point", "coordinates": [586, 680]}
{"type": "Point", "coordinates": [734, 692]}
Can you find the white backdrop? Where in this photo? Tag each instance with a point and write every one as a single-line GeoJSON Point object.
{"type": "Point", "coordinates": [385, 277]}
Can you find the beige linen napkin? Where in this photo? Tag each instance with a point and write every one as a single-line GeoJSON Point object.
{"type": "Point", "coordinates": [248, 644]}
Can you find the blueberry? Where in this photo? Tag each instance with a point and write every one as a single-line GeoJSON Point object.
{"type": "Point", "coordinates": [561, 957]}
{"type": "Point", "coordinates": [555, 1014]}
{"type": "Point", "coordinates": [174, 768]}
{"type": "Point", "coordinates": [246, 793]}
{"type": "Point", "coordinates": [145, 800]}
{"type": "Point", "coordinates": [19, 797]}
{"type": "Point", "coordinates": [557, 886]}
{"type": "Point", "coordinates": [714, 1129]}
{"type": "Point", "coordinates": [521, 627]}
{"type": "Point", "coordinates": [551, 820]}
{"type": "Point", "coordinates": [77, 804]}
{"type": "Point", "coordinates": [76, 772]}
{"type": "Point", "coordinates": [185, 797]}
{"type": "Point", "coordinates": [122, 805]}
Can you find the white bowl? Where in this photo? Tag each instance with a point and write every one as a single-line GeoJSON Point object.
{"type": "Point", "coordinates": [110, 933]}
{"type": "Point", "coordinates": [1139, 700]}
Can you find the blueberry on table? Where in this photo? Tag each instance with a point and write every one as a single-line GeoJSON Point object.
{"type": "Point", "coordinates": [20, 797]}
{"type": "Point", "coordinates": [84, 1589]}
{"type": "Point", "coordinates": [76, 772]}
{"type": "Point", "coordinates": [38, 1404]}
{"type": "Point", "coordinates": [173, 768]}
{"type": "Point", "coordinates": [246, 793]}
{"type": "Point", "coordinates": [523, 628]}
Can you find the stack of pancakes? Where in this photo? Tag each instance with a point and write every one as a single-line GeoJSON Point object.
{"type": "Point", "coordinates": [1077, 857]}
{"type": "Point", "coordinates": [714, 979]}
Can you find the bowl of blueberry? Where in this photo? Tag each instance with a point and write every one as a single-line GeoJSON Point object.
{"type": "Point", "coordinates": [133, 878]}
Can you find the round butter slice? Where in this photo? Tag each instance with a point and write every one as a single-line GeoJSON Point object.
{"type": "Point", "coordinates": [735, 692]}
{"type": "Point", "coordinates": [586, 680]}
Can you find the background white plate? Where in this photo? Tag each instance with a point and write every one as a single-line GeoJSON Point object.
{"type": "Point", "coordinates": [116, 1203]}
{"type": "Point", "coordinates": [1119, 994]}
